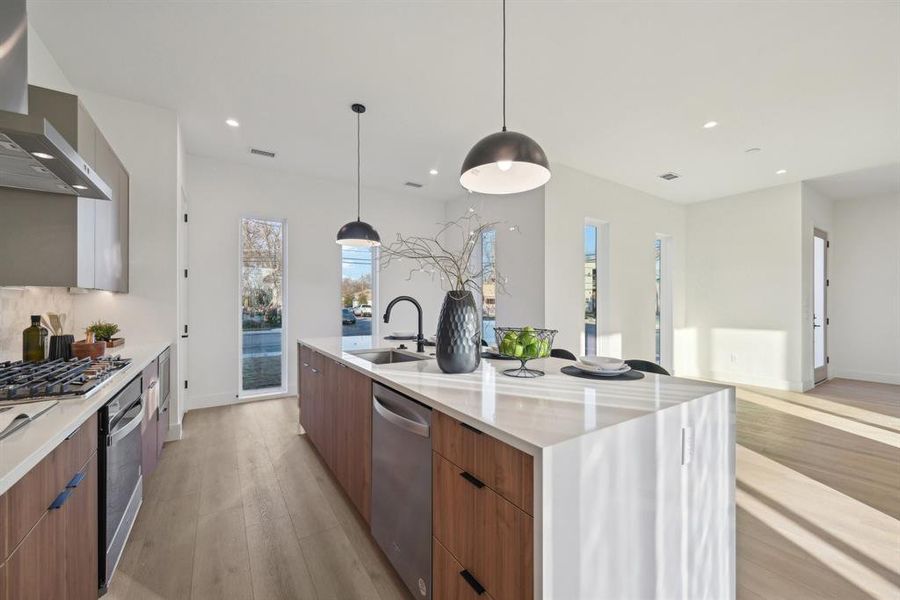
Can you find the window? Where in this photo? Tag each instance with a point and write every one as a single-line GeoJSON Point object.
{"type": "Point", "coordinates": [488, 286]}
{"type": "Point", "coordinates": [590, 290]}
{"type": "Point", "coordinates": [357, 295]}
{"type": "Point", "coordinates": [262, 296]}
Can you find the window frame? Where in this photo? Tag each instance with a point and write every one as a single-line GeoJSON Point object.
{"type": "Point", "coordinates": [281, 390]}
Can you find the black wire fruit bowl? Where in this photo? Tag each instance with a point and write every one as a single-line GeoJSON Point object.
{"type": "Point", "coordinates": [524, 344]}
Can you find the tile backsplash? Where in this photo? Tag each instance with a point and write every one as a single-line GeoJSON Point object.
{"type": "Point", "coordinates": [16, 307]}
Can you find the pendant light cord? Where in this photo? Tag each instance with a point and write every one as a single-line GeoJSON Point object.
{"type": "Point", "coordinates": [504, 65]}
{"type": "Point", "coordinates": [357, 167]}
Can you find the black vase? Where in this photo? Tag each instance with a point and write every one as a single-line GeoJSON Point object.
{"type": "Point", "coordinates": [458, 343]}
{"type": "Point", "coordinates": [61, 346]}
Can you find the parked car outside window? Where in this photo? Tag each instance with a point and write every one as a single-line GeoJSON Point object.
{"type": "Point", "coordinates": [365, 310]}
{"type": "Point", "coordinates": [347, 317]}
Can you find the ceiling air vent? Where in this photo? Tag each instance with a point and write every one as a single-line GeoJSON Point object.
{"type": "Point", "coordinates": [265, 153]}
{"type": "Point", "coordinates": [669, 176]}
{"type": "Point", "coordinates": [412, 184]}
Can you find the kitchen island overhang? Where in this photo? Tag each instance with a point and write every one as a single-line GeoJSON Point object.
{"type": "Point", "coordinates": [633, 480]}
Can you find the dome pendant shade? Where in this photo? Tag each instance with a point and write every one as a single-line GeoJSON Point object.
{"type": "Point", "coordinates": [358, 233]}
{"type": "Point", "coordinates": [506, 162]}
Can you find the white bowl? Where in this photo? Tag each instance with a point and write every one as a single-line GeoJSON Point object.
{"type": "Point", "coordinates": [595, 370]}
{"type": "Point", "coordinates": [606, 363]}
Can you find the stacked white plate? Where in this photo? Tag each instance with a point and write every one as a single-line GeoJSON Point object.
{"type": "Point", "coordinates": [601, 365]}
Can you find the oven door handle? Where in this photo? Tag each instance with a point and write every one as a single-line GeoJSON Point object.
{"type": "Point", "coordinates": [132, 423]}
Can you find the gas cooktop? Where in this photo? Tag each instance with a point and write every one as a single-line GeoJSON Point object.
{"type": "Point", "coordinates": [25, 381]}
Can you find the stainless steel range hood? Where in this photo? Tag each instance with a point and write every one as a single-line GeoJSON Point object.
{"type": "Point", "coordinates": [33, 154]}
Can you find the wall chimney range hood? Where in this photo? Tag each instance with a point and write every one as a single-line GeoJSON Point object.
{"type": "Point", "coordinates": [33, 154]}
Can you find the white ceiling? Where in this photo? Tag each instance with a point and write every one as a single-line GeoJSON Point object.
{"type": "Point", "coordinates": [865, 183]}
{"type": "Point", "coordinates": [617, 89]}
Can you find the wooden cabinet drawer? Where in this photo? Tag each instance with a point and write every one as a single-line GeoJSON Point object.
{"type": "Point", "coordinates": [36, 569]}
{"type": "Point", "coordinates": [79, 447]}
{"type": "Point", "coordinates": [29, 498]}
{"type": "Point", "coordinates": [448, 581]}
{"type": "Point", "coordinates": [82, 554]}
{"type": "Point", "coordinates": [506, 470]}
{"type": "Point", "coordinates": [490, 537]}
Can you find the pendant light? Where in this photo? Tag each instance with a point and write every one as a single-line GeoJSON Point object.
{"type": "Point", "coordinates": [358, 232]}
{"type": "Point", "coordinates": [505, 162]}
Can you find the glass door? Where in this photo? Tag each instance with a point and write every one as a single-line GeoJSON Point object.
{"type": "Point", "coordinates": [820, 305]}
{"type": "Point", "coordinates": [262, 297]}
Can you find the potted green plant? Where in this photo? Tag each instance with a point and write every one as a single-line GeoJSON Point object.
{"type": "Point", "coordinates": [105, 332]}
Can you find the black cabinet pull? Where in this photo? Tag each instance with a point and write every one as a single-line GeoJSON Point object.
{"type": "Point", "coordinates": [472, 479]}
{"type": "Point", "coordinates": [479, 589]}
{"type": "Point", "coordinates": [61, 499]}
{"type": "Point", "coordinates": [78, 478]}
{"type": "Point", "coordinates": [470, 428]}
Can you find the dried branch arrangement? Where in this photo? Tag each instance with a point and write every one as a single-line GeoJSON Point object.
{"type": "Point", "coordinates": [449, 254]}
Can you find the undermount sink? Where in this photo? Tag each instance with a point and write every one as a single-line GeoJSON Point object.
{"type": "Point", "coordinates": [384, 357]}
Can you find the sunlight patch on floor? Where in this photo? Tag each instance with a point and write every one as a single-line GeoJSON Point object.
{"type": "Point", "coordinates": [869, 535]}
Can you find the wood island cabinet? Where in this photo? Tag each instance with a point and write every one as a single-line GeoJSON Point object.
{"type": "Point", "coordinates": [482, 488]}
{"type": "Point", "coordinates": [336, 414]}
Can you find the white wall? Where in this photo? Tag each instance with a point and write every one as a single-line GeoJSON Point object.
{"type": "Point", "coordinates": [744, 289]}
{"type": "Point", "coordinates": [864, 296]}
{"type": "Point", "coordinates": [220, 194]}
{"type": "Point", "coordinates": [146, 139]}
{"type": "Point", "coordinates": [635, 219]}
{"type": "Point", "coordinates": [519, 254]}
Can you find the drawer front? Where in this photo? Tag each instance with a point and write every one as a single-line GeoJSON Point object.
{"type": "Point", "coordinates": [79, 446]}
{"type": "Point", "coordinates": [29, 498]}
{"type": "Point", "coordinates": [490, 538]}
{"type": "Point", "coordinates": [448, 580]}
{"type": "Point", "coordinates": [506, 470]}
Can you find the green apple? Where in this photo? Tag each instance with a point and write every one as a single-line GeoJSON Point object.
{"type": "Point", "coordinates": [545, 348]}
{"type": "Point", "coordinates": [533, 350]}
{"type": "Point", "coordinates": [519, 350]}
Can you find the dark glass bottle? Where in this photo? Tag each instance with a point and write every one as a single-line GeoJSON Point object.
{"type": "Point", "coordinates": [34, 341]}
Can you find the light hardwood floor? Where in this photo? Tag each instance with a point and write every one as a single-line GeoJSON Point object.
{"type": "Point", "coordinates": [242, 507]}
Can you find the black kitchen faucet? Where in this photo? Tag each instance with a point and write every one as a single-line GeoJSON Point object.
{"type": "Point", "coordinates": [420, 339]}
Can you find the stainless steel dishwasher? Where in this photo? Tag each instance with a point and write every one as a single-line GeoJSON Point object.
{"type": "Point", "coordinates": [401, 486]}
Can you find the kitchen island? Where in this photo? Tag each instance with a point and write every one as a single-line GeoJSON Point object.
{"type": "Point", "coordinates": [630, 483]}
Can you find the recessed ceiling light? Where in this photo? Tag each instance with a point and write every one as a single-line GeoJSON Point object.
{"type": "Point", "coordinates": [232, 123]}
{"type": "Point", "coordinates": [710, 124]}
{"type": "Point", "coordinates": [43, 155]}
{"type": "Point", "coordinates": [78, 186]}
{"type": "Point", "coordinates": [781, 171]}
{"type": "Point", "coordinates": [433, 172]}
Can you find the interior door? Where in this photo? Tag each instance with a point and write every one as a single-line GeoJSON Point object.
{"type": "Point", "coordinates": [820, 305]}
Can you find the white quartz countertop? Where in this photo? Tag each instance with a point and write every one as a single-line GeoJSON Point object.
{"type": "Point", "coordinates": [28, 446]}
{"type": "Point", "coordinates": [530, 414]}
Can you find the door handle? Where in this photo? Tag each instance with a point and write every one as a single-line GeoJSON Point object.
{"type": "Point", "coordinates": [402, 422]}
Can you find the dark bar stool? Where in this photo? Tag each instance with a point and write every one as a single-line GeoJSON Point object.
{"type": "Point", "coordinates": [562, 353]}
{"type": "Point", "coordinates": [646, 366]}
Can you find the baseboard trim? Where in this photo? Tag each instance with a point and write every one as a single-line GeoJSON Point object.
{"type": "Point", "coordinates": [891, 378]}
{"type": "Point", "coordinates": [225, 399]}
{"type": "Point", "coordinates": [175, 432]}
{"type": "Point", "coordinates": [741, 379]}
